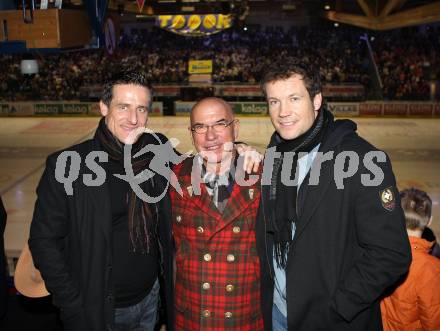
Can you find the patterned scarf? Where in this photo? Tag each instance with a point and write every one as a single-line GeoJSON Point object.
{"type": "Point", "coordinates": [282, 198]}
{"type": "Point", "coordinates": [222, 183]}
{"type": "Point", "coordinates": [141, 215]}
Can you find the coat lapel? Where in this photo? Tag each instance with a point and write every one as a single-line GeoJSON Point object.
{"type": "Point", "coordinates": [194, 190]}
{"type": "Point", "coordinates": [310, 197]}
{"type": "Point", "coordinates": [241, 196]}
{"type": "Point", "coordinates": [240, 199]}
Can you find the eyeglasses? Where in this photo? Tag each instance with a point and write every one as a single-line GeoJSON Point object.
{"type": "Point", "coordinates": [217, 127]}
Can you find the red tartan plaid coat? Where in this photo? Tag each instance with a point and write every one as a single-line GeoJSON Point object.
{"type": "Point", "coordinates": [217, 283]}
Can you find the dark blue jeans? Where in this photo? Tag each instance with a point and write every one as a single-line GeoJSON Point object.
{"type": "Point", "coordinates": [141, 316]}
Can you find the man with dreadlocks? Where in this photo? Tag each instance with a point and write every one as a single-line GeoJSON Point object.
{"type": "Point", "coordinates": [100, 248]}
{"type": "Point", "coordinates": [329, 244]}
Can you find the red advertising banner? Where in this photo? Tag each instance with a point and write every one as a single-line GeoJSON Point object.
{"type": "Point", "coordinates": [243, 90]}
{"type": "Point", "coordinates": [355, 90]}
{"type": "Point", "coordinates": [329, 90]}
{"type": "Point", "coordinates": [395, 109]}
{"type": "Point", "coordinates": [420, 109]}
{"type": "Point", "coordinates": [370, 109]}
{"type": "Point", "coordinates": [167, 91]}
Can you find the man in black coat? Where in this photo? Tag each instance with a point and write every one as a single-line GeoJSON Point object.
{"type": "Point", "coordinates": [330, 233]}
{"type": "Point", "coordinates": [100, 248]}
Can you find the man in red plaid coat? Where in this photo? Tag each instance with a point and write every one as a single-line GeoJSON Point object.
{"type": "Point", "coordinates": [217, 267]}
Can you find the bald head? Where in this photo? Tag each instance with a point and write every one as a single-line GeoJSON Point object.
{"type": "Point", "coordinates": [213, 130]}
{"type": "Point", "coordinates": [214, 104]}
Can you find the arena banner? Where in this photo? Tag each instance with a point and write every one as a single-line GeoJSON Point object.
{"type": "Point", "coordinates": [221, 90]}
{"type": "Point", "coordinates": [421, 109]}
{"type": "Point", "coordinates": [167, 90]}
{"type": "Point", "coordinates": [60, 108]}
{"type": "Point", "coordinates": [370, 108]}
{"type": "Point", "coordinates": [250, 108]}
{"type": "Point", "coordinates": [48, 108]}
{"type": "Point", "coordinates": [200, 79]}
{"type": "Point", "coordinates": [343, 90]}
{"type": "Point", "coordinates": [395, 109]}
{"type": "Point", "coordinates": [75, 108]}
{"type": "Point", "coordinates": [240, 108]}
{"type": "Point", "coordinates": [94, 109]}
{"type": "Point", "coordinates": [17, 109]}
{"type": "Point", "coordinates": [344, 108]}
{"type": "Point", "coordinates": [200, 66]}
{"type": "Point", "coordinates": [183, 107]}
{"type": "Point", "coordinates": [329, 90]}
{"type": "Point", "coordinates": [194, 25]}
{"type": "Point", "coordinates": [238, 90]}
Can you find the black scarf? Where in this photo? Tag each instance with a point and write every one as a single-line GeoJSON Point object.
{"type": "Point", "coordinates": [141, 215]}
{"type": "Point", "coordinates": [282, 198]}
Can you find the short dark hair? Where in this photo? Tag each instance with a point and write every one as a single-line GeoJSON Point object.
{"type": "Point", "coordinates": [125, 77]}
{"type": "Point", "coordinates": [417, 206]}
{"type": "Point", "coordinates": [285, 68]}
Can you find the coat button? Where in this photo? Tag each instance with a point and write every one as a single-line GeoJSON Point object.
{"type": "Point", "coordinates": [236, 229]}
{"type": "Point", "coordinates": [207, 257]}
{"type": "Point", "coordinates": [228, 314]}
{"type": "Point", "coordinates": [229, 288]}
{"type": "Point", "coordinates": [206, 313]}
{"type": "Point", "coordinates": [206, 286]}
{"type": "Point", "coordinates": [178, 219]}
{"type": "Point", "coordinates": [110, 297]}
{"type": "Point", "coordinates": [230, 258]}
{"type": "Point", "coordinates": [200, 229]}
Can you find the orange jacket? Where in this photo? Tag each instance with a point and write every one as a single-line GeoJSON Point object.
{"type": "Point", "coordinates": [415, 304]}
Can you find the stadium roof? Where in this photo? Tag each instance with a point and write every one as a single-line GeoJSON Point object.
{"type": "Point", "coordinates": [370, 14]}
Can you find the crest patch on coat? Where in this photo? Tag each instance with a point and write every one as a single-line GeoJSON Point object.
{"type": "Point", "coordinates": [388, 199]}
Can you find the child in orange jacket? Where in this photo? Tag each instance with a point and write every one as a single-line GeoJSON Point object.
{"type": "Point", "coordinates": [415, 303]}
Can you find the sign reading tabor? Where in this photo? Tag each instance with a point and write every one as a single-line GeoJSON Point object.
{"type": "Point", "coordinates": [194, 25]}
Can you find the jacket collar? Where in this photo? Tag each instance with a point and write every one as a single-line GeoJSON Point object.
{"type": "Point", "coordinates": [420, 244]}
{"type": "Point", "coordinates": [194, 189]}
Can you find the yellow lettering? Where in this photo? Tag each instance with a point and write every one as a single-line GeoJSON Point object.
{"type": "Point", "coordinates": [194, 22]}
{"type": "Point", "coordinates": [221, 21]}
{"type": "Point", "coordinates": [226, 21]}
{"type": "Point", "coordinates": [178, 22]}
{"type": "Point", "coordinates": [209, 21]}
{"type": "Point", "coordinates": [164, 20]}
